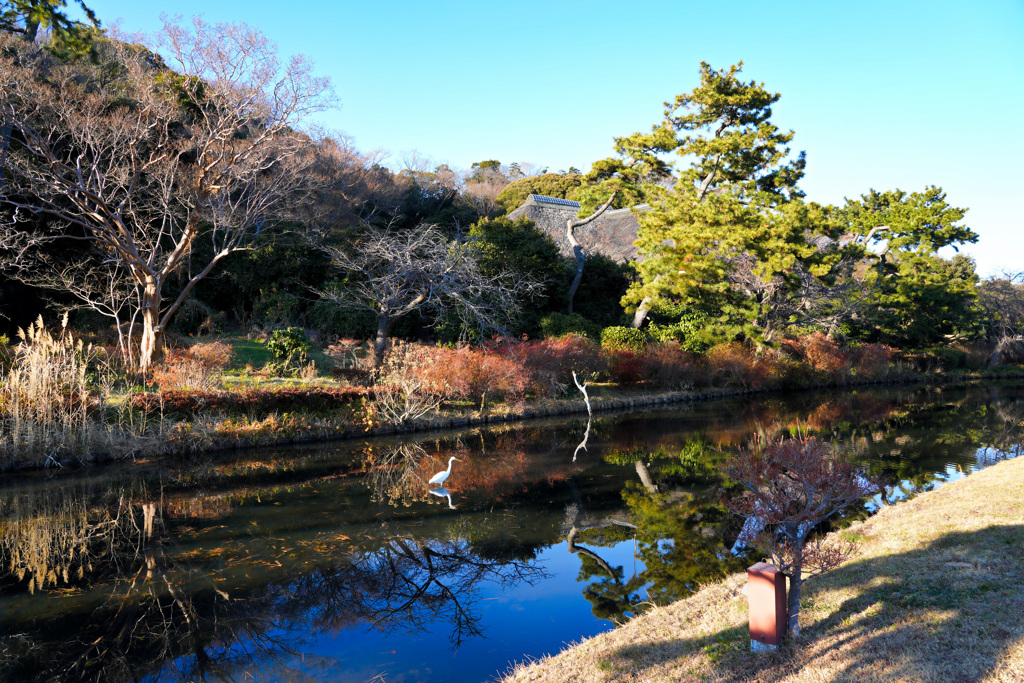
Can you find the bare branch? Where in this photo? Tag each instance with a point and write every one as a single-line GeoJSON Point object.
{"type": "Point", "coordinates": [393, 273]}
{"type": "Point", "coordinates": [792, 486]}
{"type": "Point", "coordinates": [145, 163]}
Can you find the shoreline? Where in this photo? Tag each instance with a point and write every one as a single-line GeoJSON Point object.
{"type": "Point", "coordinates": [915, 604]}
{"type": "Point", "coordinates": [616, 400]}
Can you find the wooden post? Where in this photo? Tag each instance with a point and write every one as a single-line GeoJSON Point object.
{"type": "Point", "coordinates": [766, 594]}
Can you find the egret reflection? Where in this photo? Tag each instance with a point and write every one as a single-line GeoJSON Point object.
{"type": "Point", "coordinates": [443, 493]}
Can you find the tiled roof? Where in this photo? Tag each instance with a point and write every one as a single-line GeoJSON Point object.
{"type": "Point", "coordinates": [541, 199]}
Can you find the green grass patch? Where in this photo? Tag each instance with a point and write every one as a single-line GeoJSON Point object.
{"type": "Point", "coordinates": [247, 352]}
{"type": "Point", "coordinates": [254, 353]}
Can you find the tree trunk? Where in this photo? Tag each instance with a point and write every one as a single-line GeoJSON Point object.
{"type": "Point", "coordinates": [580, 256]}
{"type": "Point", "coordinates": [577, 249]}
{"type": "Point", "coordinates": [641, 313]}
{"type": "Point", "coordinates": [31, 30]}
{"type": "Point", "coordinates": [573, 548]}
{"type": "Point", "coordinates": [795, 576]}
{"type": "Point", "coordinates": [151, 350]}
{"type": "Point", "coordinates": [793, 602]}
{"type": "Point", "coordinates": [645, 478]}
{"type": "Point", "coordinates": [380, 342]}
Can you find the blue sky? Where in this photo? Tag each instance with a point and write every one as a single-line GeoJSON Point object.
{"type": "Point", "coordinates": [880, 94]}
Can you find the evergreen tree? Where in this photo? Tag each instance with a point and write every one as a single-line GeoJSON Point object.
{"type": "Point", "coordinates": [736, 204]}
{"type": "Point", "coordinates": [915, 297]}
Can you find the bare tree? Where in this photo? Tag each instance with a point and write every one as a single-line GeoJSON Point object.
{"type": "Point", "coordinates": [433, 179]}
{"type": "Point", "coordinates": [1001, 300]}
{"type": "Point", "coordinates": [791, 487]}
{"type": "Point", "coordinates": [350, 186]}
{"type": "Point", "coordinates": [146, 163]}
{"type": "Point", "coordinates": [484, 182]}
{"type": "Point", "coordinates": [394, 273]}
{"type": "Point", "coordinates": [105, 286]}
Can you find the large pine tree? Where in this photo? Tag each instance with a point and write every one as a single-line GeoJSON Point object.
{"type": "Point", "coordinates": [731, 231]}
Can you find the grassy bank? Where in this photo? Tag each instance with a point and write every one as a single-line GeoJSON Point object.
{"type": "Point", "coordinates": [936, 594]}
{"type": "Point", "coordinates": [149, 435]}
{"type": "Point", "coordinates": [212, 396]}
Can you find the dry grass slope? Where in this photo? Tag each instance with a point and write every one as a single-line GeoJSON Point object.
{"type": "Point", "coordinates": [937, 594]}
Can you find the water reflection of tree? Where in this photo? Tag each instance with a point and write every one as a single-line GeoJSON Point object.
{"type": "Point", "coordinates": [683, 541]}
{"type": "Point", "coordinates": [419, 582]}
{"type": "Point", "coordinates": [173, 615]}
{"type": "Point", "coordinates": [612, 597]}
{"type": "Point", "coordinates": [395, 473]}
{"type": "Point", "coordinates": [52, 539]}
{"type": "Point", "coordinates": [913, 446]}
{"type": "Point", "coordinates": [683, 531]}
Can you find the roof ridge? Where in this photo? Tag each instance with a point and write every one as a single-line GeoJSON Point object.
{"type": "Point", "coordinates": [557, 201]}
{"type": "Point", "coordinates": [638, 207]}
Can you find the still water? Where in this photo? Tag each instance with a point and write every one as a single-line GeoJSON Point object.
{"type": "Point", "coordinates": [336, 563]}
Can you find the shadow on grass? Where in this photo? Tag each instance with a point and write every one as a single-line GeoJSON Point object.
{"type": "Point", "coordinates": [949, 611]}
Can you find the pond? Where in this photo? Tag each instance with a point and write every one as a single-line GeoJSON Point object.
{"type": "Point", "coordinates": [336, 563]}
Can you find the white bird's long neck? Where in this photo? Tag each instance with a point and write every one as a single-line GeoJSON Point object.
{"type": "Point", "coordinates": [450, 465]}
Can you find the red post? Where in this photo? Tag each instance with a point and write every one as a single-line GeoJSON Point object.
{"type": "Point", "coordinates": [766, 594]}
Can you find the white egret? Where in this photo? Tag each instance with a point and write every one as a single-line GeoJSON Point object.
{"type": "Point", "coordinates": [439, 478]}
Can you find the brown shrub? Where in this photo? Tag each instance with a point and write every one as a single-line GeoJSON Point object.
{"type": "Point", "coordinates": [873, 360]}
{"type": "Point", "coordinates": [480, 373]}
{"type": "Point", "coordinates": [197, 367]}
{"type": "Point", "coordinates": [735, 364]}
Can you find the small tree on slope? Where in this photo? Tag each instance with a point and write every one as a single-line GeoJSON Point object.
{"type": "Point", "coordinates": [791, 487]}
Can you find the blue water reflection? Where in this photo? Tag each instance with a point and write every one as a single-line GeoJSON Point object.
{"type": "Point", "coordinates": [338, 563]}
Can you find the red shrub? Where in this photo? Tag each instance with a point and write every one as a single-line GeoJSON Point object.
{"type": "Point", "coordinates": [482, 374]}
{"type": "Point", "coordinates": [821, 353]}
{"type": "Point", "coordinates": [736, 364]}
{"type": "Point", "coordinates": [626, 367]}
{"type": "Point", "coordinates": [353, 357]}
{"type": "Point", "coordinates": [664, 365]}
{"type": "Point", "coordinates": [550, 363]}
{"type": "Point", "coordinates": [825, 356]}
{"type": "Point", "coordinates": [669, 366]}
